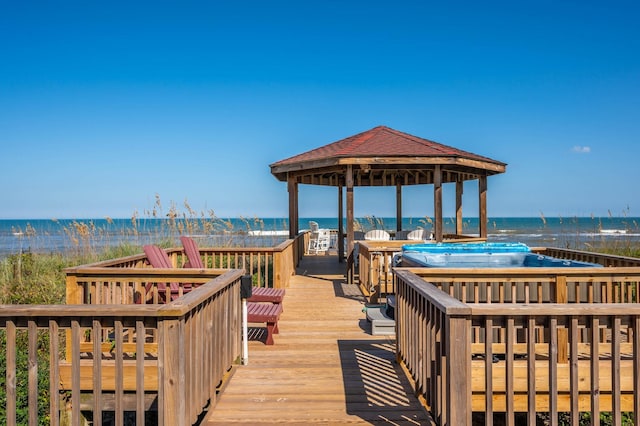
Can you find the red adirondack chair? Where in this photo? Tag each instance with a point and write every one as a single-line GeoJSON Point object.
{"type": "Point", "coordinates": [158, 258]}
{"type": "Point", "coordinates": [193, 253]}
{"type": "Point", "coordinates": [259, 294]}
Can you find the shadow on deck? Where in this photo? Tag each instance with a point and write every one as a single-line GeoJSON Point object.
{"type": "Point", "coordinates": [325, 366]}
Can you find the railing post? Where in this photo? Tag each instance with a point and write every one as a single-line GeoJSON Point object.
{"type": "Point", "coordinates": [172, 366]}
{"type": "Point", "coordinates": [72, 294]}
{"type": "Point", "coordinates": [277, 266]}
{"type": "Point", "coordinates": [561, 289]}
{"type": "Point", "coordinates": [287, 269]}
{"type": "Point", "coordinates": [563, 337]}
{"type": "Point", "coordinates": [459, 371]}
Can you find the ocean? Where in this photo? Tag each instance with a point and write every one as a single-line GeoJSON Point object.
{"type": "Point", "coordinates": [52, 235]}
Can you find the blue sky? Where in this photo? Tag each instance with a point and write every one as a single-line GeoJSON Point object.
{"type": "Point", "coordinates": [105, 105]}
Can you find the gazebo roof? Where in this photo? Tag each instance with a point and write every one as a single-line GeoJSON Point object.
{"type": "Point", "coordinates": [382, 157]}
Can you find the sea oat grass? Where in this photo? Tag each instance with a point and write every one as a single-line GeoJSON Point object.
{"type": "Point", "coordinates": [35, 276]}
{"type": "Point", "coordinates": [30, 278]}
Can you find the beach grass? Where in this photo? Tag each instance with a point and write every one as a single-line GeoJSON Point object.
{"type": "Point", "coordinates": [35, 275]}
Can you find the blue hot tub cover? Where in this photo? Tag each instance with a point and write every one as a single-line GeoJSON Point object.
{"type": "Point", "coordinates": [462, 248]}
{"type": "Point", "coordinates": [480, 255]}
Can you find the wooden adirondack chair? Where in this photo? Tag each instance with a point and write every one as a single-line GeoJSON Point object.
{"type": "Point", "coordinates": [158, 258]}
{"type": "Point", "coordinates": [193, 253]}
{"type": "Point", "coordinates": [259, 294]}
{"type": "Point", "coordinates": [264, 305]}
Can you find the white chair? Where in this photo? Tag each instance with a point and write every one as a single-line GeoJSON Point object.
{"type": "Point", "coordinates": [377, 235]}
{"type": "Point", "coordinates": [416, 235]}
{"type": "Point", "coordinates": [319, 239]}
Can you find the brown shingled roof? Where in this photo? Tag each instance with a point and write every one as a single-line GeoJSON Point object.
{"type": "Point", "coordinates": [382, 157]}
{"type": "Point", "coordinates": [382, 141]}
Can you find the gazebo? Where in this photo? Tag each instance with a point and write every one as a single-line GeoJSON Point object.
{"type": "Point", "coordinates": [386, 157]}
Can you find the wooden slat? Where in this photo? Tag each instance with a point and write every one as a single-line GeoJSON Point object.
{"type": "Point", "coordinates": [162, 375]}
{"type": "Point", "coordinates": [615, 371]}
{"type": "Point", "coordinates": [106, 347]}
{"type": "Point", "coordinates": [521, 382]}
{"type": "Point", "coordinates": [553, 370]}
{"type": "Point", "coordinates": [11, 373]}
{"type": "Point", "coordinates": [488, 360]}
{"type": "Point", "coordinates": [531, 371]}
{"type": "Point", "coordinates": [75, 372]}
{"type": "Point", "coordinates": [97, 372]}
{"type": "Point", "coordinates": [54, 374]}
{"type": "Point", "coordinates": [543, 403]}
{"type": "Point", "coordinates": [510, 379]}
{"type": "Point", "coordinates": [108, 377]}
{"type": "Point", "coordinates": [582, 349]}
{"type": "Point", "coordinates": [119, 373]}
{"type": "Point", "coordinates": [573, 367]}
{"type": "Point", "coordinates": [174, 372]}
{"type": "Point", "coordinates": [635, 321]}
{"type": "Point", "coordinates": [595, 369]}
{"type": "Point", "coordinates": [191, 366]}
{"type": "Point", "coordinates": [33, 372]}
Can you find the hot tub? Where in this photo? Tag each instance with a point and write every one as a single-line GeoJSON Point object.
{"type": "Point", "coordinates": [481, 255]}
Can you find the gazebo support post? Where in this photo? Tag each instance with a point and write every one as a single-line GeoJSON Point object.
{"type": "Point", "coordinates": [459, 192]}
{"type": "Point", "coordinates": [292, 187]}
{"type": "Point", "coordinates": [437, 202]}
{"type": "Point", "coordinates": [482, 205]}
{"type": "Point", "coordinates": [398, 206]}
{"type": "Point", "coordinates": [351, 265]}
{"type": "Point", "coordinates": [340, 228]}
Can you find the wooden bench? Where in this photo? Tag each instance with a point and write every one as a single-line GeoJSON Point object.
{"type": "Point", "coordinates": [268, 313]}
{"type": "Point", "coordinates": [266, 294]}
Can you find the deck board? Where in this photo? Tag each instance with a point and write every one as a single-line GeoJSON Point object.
{"type": "Point", "coordinates": [325, 367]}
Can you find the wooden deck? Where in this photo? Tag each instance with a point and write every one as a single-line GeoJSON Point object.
{"type": "Point", "coordinates": [325, 367]}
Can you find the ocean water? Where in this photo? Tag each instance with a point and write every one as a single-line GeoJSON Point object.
{"type": "Point", "coordinates": [49, 235]}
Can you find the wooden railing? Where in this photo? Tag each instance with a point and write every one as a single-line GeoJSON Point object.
{"type": "Point", "coordinates": [606, 260]}
{"type": "Point", "coordinates": [375, 260]}
{"type": "Point", "coordinates": [97, 361]}
{"type": "Point", "coordinates": [536, 285]}
{"type": "Point", "coordinates": [433, 341]}
{"type": "Point", "coordinates": [531, 341]}
{"type": "Point", "coordinates": [269, 266]}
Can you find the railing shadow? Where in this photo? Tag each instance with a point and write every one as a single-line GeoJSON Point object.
{"type": "Point", "coordinates": [376, 388]}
